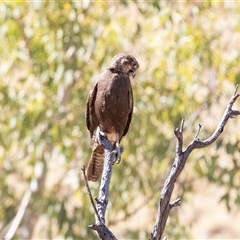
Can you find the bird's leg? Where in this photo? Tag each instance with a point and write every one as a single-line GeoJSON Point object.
{"type": "Point", "coordinates": [118, 150]}
{"type": "Point", "coordinates": [98, 135]}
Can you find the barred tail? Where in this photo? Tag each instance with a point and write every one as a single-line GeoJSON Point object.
{"type": "Point", "coordinates": [95, 165]}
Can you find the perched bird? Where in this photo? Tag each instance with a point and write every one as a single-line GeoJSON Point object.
{"type": "Point", "coordinates": [109, 109]}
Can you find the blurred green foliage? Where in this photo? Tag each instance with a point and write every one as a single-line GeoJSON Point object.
{"type": "Point", "coordinates": [51, 53]}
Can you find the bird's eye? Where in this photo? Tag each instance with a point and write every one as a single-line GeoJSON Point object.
{"type": "Point", "coordinates": [134, 65]}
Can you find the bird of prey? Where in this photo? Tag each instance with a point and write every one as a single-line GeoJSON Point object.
{"type": "Point", "coordinates": [109, 110]}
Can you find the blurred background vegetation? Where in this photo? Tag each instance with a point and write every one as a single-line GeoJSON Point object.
{"type": "Point", "coordinates": [50, 55]}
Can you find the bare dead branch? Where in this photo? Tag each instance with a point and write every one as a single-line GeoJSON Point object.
{"type": "Point", "coordinates": [164, 205]}
{"type": "Point", "coordinates": [229, 113]}
{"type": "Point", "coordinates": [105, 180]}
{"type": "Point", "coordinates": [102, 200]}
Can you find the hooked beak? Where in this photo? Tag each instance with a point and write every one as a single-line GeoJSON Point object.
{"type": "Point", "coordinates": [133, 73]}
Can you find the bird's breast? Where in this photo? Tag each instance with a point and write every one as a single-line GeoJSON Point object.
{"type": "Point", "coordinates": [112, 105]}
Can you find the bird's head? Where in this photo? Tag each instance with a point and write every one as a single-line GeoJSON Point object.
{"type": "Point", "coordinates": [124, 63]}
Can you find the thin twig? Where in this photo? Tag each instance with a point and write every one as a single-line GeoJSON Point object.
{"type": "Point", "coordinates": [179, 135]}
{"type": "Point", "coordinates": [176, 203]}
{"type": "Point", "coordinates": [236, 89]}
{"type": "Point", "coordinates": [198, 131]}
{"type": "Point", "coordinates": [89, 193]}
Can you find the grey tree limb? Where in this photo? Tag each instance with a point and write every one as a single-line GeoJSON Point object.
{"type": "Point", "coordinates": [102, 201]}
{"type": "Point", "coordinates": [164, 205]}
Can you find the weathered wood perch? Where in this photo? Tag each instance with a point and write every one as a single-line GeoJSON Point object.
{"type": "Point", "coordinates": [164, 204]}
{"type": "Point", "coordinates": [102, 200]}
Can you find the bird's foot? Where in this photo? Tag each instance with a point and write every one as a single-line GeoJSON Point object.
{"type": "Point", "coordinates": [99, 135]}
{"type": "Point", "coordinates": [118, 152]}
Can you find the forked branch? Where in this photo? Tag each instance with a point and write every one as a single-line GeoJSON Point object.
{"type": "Point", "coordinates": [164, 205]}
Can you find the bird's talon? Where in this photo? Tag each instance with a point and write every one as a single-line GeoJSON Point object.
{"type": "Point", "coordinates": [118, 161]}
{"type": "Point", "coordinates": [118, 152]}
{"type": "Point", "coordinates": [121, 150]}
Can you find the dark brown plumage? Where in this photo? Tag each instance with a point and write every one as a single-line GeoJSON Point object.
{"type": "Point", "coordinates": [109, 107]}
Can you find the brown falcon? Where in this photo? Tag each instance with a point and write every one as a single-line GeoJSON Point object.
{"type": "Point", "coordinates": [109, 109]}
